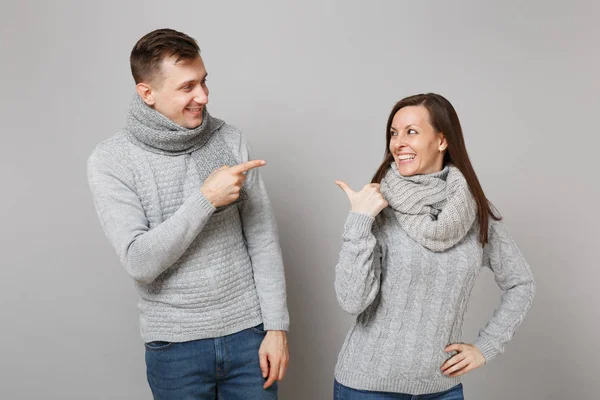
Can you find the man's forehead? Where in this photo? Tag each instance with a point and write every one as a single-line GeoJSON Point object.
{"type": "Point", "coordinates": [173, 62]}
{"type": "Point", "coordinates": [182, 70]}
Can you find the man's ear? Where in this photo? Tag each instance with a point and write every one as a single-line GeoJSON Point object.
{"type": "Point", "coordinates": [145, 92]}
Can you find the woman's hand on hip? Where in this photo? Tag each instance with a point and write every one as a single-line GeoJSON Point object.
{"type": "Point", "coordinates": [467, 359]}
{"type": "Point", "coordinates": [368, 200]}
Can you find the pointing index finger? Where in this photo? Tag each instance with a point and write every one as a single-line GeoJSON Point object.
{"type": "Point", "coordinates": [243, 167]}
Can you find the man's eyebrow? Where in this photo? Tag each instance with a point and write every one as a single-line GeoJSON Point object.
{"type": "Point", "coordinates": [182, 84]}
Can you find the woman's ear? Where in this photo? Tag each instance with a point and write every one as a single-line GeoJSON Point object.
{"type": "Point", "coordinates": [443, 143]}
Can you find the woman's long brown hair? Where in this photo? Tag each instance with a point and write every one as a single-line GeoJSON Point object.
{"type": "Point", "coordinates": [444, 120]}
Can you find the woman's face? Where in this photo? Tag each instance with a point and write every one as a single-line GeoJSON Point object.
{"type": "Point", "coordinates": [416, 147]}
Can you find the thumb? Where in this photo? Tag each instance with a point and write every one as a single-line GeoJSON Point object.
{"type": "Point", "coordinates": [344, 186]}
{"type": "Point", "coordinates": [454, 347]}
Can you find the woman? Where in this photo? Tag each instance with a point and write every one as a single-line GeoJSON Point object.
{"type": "Point", "coordinates": [413, 244]}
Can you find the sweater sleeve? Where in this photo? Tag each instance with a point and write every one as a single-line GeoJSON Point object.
{"type": "Point", "coordinates": [358, 270]}
{"type": "Point", "coordinates": [514, 278]}
{"type": "Point", "coordinates": [262, 240]}
{"type": "Point", "coordinates": [144, 252]}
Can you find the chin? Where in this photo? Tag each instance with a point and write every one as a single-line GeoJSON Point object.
{"type": "Point", "coordinates": [193, 124]}
{"type": "Point", "coordinates": [404, 171]}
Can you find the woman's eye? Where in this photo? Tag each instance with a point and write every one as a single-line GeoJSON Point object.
{"type": "Point", "coordinates": [394, 133]}
{"type": "Point", "coordinates": [412, 132]}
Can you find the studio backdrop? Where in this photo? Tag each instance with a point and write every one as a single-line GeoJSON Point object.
{"type": "Point", "coordinates": [311, 84]}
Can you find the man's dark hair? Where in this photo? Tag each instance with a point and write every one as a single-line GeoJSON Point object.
{"type": "Point", "coordinates": [152, 48]}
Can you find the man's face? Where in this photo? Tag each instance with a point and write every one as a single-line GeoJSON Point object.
{"type": "Point", "coordinates": [179, 91]}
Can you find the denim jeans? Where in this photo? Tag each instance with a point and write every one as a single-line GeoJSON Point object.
{"type": "Point", "coordinates": [223, 368]}
{"type": "Point", "coordinates": [341, 392]}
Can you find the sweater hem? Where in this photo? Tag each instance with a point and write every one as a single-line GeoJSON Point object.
{"type": "Point", "coordinates": [197, 335]}
{"type": "Point", "coordinates": [395, 384]}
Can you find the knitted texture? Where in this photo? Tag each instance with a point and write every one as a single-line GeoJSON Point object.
{"type": "Point", "coordinates": [152, 131]}
{"type": "Point", "coordinates": [411, 301]}
{"type": "Point", "coordinates": [201, 272]}
{"type": "Point", "coordinates": [436, 210]}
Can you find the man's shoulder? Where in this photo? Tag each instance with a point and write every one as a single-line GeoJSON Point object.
{"type": "Point", "coordinates": [230, 132]}
{"type": "Point", "coordinates": [115, 148]}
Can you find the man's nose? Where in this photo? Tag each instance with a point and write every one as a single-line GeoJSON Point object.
{"type": "Point", "coordinates": [201, 95]}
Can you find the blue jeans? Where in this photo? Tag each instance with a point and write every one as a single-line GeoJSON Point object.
{"type": "Point", "coordinates": [223, 368]}
{"type": "Point", "coordinates": [341, 392]}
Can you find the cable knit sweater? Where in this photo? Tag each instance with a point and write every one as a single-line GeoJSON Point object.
{"type": "Point", "coordinates": [410, 298]}
{"type": "Point", "coordinates": [201, 272]}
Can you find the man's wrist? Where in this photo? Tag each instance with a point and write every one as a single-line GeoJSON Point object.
{"type": "Point", "coordinates": [208, 195]}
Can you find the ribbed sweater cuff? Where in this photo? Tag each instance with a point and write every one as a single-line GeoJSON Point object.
{"type": "Point", "coordinates": [360, 223]}
{"type": "Point", "coordinates": [487, 349]}
{"type": "Point", "coordinates": [276, 326]}
{"type": "Point", "coordinates": [203, 202]}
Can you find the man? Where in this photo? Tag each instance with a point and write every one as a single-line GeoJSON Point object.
{"type": "Point", "coordinates": [185, 208]}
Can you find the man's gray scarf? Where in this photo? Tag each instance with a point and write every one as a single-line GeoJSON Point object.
{"type": "Point", "coordinates": [436, 210]}
{"type": "Point", "coordinates": [152, 131]}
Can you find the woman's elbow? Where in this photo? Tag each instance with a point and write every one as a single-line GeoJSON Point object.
{"type": "Point", "coordinates": [351, 308]}
{"type": "Point", "coordinates": [350, 304]}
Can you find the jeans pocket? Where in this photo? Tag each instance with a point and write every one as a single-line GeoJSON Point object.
{"type": "Point", "coordinates": [158, 345]}
{"type": "Point", "coordinates": [260, 329]}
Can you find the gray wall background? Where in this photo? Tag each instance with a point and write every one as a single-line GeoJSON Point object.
{"type": "Point", "coordinates": [311, 84]}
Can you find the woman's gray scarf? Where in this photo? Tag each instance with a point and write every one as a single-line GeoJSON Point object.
{"type": "Point", "coordinates": [436, 210]}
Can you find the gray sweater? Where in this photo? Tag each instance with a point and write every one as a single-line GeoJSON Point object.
{"type": "Point", "coordinates": [411, 302]}
{"type": "Point", "coordinates": [201, 272]}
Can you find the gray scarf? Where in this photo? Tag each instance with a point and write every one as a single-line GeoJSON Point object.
{"type": "Point", "coordinates": [436, 210]}
{"type": "Point", "coordinates": [152, 131]}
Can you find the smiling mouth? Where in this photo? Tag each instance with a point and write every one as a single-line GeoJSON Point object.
{"type": "Point", "coordinates": [194, 109]}
{"type": "Point", "coordinates": [406, 158]}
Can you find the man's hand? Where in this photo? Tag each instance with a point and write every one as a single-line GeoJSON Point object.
{"type": "Point", "coordinates": [274, 356]}
{"type": "Point", "coordinates": [223, 185]}
{"type": "Point", "coordinates": [468, 358]}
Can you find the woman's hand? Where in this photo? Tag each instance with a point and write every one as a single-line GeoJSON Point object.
{"type": "Point", "coordinates": [368, 200]}
{"type": "Point", "coordinates": [468, 358]}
